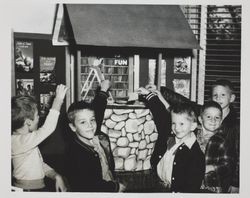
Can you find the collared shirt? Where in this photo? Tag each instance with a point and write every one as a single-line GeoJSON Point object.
{"type": "Point", "coordinates": [165, 166]}
{"type": "Point", "coordinates": [106, 173]}
{"type": "Point", "coordinates": [217, 155]}
{"type": "Point", "coordinates": [203, 138]}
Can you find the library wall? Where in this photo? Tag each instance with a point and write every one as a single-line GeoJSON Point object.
{"type": "Point", "coordinates": [39, 67]}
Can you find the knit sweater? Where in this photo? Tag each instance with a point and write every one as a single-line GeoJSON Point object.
{"type": "Point", "coordinates": [29, 169]}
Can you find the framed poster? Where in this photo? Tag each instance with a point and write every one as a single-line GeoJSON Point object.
{"type": "Point", "coordinates": [25, 87]}
{"type": "Point", "coordinates": [182, 86]}
{"type": "Point", "coordinates": [182, 65]}
{"type": "Point", "coordinates": [24, 60]}
{"type": "Point", "coordinates": [47, 69]}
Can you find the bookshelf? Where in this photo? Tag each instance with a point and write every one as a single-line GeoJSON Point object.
{"type": "Point", "coordinates": [114, 69]}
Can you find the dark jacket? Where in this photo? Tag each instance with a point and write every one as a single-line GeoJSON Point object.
{"type": "Point", "coordinates": [189, 164]}
{"type": "Point", "coordinates": [84, 167]}
{"type": "Point", "coordinates": [84, 171]}
{"type": "Point", "coordinates": [231, 127]}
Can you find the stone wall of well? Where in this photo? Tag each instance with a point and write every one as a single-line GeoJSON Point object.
{"type": "Point", "coordinates": [132, 134]}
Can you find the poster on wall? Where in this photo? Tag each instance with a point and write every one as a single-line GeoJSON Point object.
{"type": "Point", "coordinates": [182, 65]}
{"type": "Point", "coordinates": [47, 69]}
{"type": "Point", "coordinates": [46, 102]}
{"type": "Point", "coordinates": [24, 60]}
{"type": "Point", "coordinates": [25, 87]}
{"type": "Point", "coordinates": [182, 86]}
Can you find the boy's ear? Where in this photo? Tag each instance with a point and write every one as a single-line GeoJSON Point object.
{"type": "Point", "coordinates": [233, 96]}
{"type": "Point", "coordinates": [193, 126]}
{"type": "Point", "coordinates": [27, 122]}
{"type": "Point", "coordinates": [73, 128]}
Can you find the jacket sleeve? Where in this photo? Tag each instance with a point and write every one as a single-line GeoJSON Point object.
{"type": "Point", "coordinates": [99, 105]}
{"type": "Point", "coordinates": [175, 98]}
{"type": "Point", "coordinates": [233, 150]}
{"type": "Point", "coordinates": [223, 165]}
{"type": "Point", "coordinates": [23, 143]}
{"type": "Point", "coordinates": [162, 121]}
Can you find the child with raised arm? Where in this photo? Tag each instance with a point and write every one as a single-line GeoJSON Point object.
{"type": "Point", "coordinates": [212, 140]}
{"type": "Point", "coordinates": [178, 159]}
{"type": "Point", "coordinates": [29, 169]}
{"type": "Point", "coordinates": [90, 163]}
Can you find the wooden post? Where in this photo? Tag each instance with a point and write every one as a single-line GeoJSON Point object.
{"type": "Point", "coordinates": [194, 76]}
{"type": "Point", "coordinates": [130, 74]}
{"type": "Point", "coordinates": [68, 77]}
{"type": "Point", "coordinates": [72, 78]}
{"type": "Point", "coordinates": [79, 80]}
{"type": "Point", "coordinates": [202, 58]}
{"type": "Point", "coordinates": [136, 71]}
{"type": "Point", "coordinates": [159, 71]}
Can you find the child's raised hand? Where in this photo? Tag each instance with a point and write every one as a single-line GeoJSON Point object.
{"type": "Point", "coordinates": [105, 85]}
{"type": "Point", "coordinates": [61, 91]}
{"type": "Point", "coordinates": [151, 87]}
{"type": "Point", "coordinates": [142, 91]}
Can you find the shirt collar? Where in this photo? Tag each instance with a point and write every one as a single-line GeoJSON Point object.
{"type": "Point", "coordinates": [190, 141]}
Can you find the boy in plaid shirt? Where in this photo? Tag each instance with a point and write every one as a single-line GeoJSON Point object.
{"type": "Point", "coordinates": [218, 160]}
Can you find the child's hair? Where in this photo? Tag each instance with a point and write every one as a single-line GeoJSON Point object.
{"type": "Point", "coordinates": [184, 108]}
{"type": "Point", "coordinates": [210, 104]}
{"type": "Point", "coordinates": [77, 106]}
{"type": "Point", "coordinates": [224, 83]}
{"type": "Point", "coordinates": [22, 108]}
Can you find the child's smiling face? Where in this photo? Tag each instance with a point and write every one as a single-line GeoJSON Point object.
{"type": "Point", "coordinates": [211, 119]}
{"type": "Point", "coordinates": [182, 125]}
{"type": "Point", "coordinates": [84, 124]}
{"type": "Point", "coordinates": [222, 95]}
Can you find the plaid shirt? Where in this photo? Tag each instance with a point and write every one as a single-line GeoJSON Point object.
{"type": "Point", "coordinates": [218, 156]}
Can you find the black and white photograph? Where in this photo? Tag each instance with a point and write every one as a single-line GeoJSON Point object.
{"type": "Point", "coordinates": [24, 56]}
{"type": "Point", "coordinates": [130, 99]}
{"type": "Point", "coordinates": [25, 87]}
{"type": "Point", "coordinates": [47, 69]}
{"type": "Point", "coordinates": [182, 86]}
{"type": "Point", "coordinates": [182, 65]}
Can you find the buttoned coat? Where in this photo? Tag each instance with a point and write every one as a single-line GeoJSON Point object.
{"type": "Point", "coordinates": [189, 163]}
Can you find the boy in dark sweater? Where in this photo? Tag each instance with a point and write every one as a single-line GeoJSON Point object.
{"type": "Point", "coordinates": [90, 163]}
{"type": "Point", "coordinates": [178, 159]}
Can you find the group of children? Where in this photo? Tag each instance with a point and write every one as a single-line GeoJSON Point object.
{"type": "Point", "coordinates": [197, 149]}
